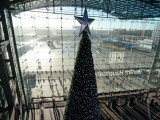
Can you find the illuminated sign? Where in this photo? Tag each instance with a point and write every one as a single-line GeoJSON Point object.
{"type": "Point", "coordinates": [116, 57]}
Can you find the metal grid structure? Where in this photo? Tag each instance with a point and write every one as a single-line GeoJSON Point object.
{"type": "Point", "coordinates": [123, 9]}
{"type": "Point", "coordinates": [49, 72]}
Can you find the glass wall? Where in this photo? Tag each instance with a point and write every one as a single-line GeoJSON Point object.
{"type": "Point", "coordinates": [47, 42]}
{"type": "Point", "coordinates": [10, 36]}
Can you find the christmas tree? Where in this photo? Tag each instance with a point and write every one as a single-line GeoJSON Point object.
{"type": "Point", "coordinates": [82, 102]}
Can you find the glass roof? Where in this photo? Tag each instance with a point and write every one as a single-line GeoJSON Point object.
{"type": "Point", "coordinates": [123, 9]}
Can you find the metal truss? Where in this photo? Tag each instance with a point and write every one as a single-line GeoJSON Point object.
{"type": "Point", "coordinates": [123, 9]}
{"type": "Point", "coordinates": [155, 62]}
{"type": "Point", "coordinates": [10, 69]}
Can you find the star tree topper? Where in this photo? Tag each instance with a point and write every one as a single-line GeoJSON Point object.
{"type": "Point", "coordinates": [85, 22]}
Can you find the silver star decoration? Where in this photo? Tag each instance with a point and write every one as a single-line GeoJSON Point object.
{"type": "Point", "coordinates": [85, 22]}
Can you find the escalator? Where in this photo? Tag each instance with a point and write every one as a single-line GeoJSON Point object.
{"type": "Point", "coordinates": [148, 111]}
{"type": "Point", "coordinates": [122, 113]}
{"type": "Point", "coordinates": [108, 113]}
{"type": "Point", "coordinates": [152, 109]}
{"type": "Point", "coordinates": [134, 114]}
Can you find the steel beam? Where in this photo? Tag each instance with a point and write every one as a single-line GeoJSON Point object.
{"type": "Point", "coordinates": [19, 1]}
{"type": "Point", "coordinates": [3, 45]}
{"type": "Point", "coordinates": [4, 25]}
{"type": "Point", "coordinates": [5, 81]}
{"type": "Point", "coordinates": [17, 58]}
{"type": "Point", "coordinates": [7, 25]}
{"type": "Point", "coordinates": [151, 3]}
{"type": "Point", "coordinates": [154, 62]}
{"type": "Point", "coordinates": [11, 61]}
{"type": "Point", "coordinates": [5, 29]}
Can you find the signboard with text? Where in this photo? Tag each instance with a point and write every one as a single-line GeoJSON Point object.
{"type": "Point", "coordinates": [124, 72]}
{"type": "Point", "coordinates": [116, 57]}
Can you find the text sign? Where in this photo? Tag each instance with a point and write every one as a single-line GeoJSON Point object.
{"type": "Point", "coordinates": [119, 72]}
{"type": "Point", "coordinates": [124, 72]}
{"type": "Point", "coordinates": [116, 57]}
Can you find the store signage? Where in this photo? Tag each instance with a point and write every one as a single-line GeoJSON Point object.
{"type": "Point", "coordinates": [122, 72]}
{"type": "Point", "coordinates": [116, 57]}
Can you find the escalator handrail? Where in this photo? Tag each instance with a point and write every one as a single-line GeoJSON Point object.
{"type": "Point", "coordinates": [123, 112]}
{"type": "Point", "coordinates": [134, 113]}
{"type": "Point", "coordinates": [113, 114]}
{"type": "Point", "coordinates": [103, 114]}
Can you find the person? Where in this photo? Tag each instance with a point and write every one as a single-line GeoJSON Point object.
{"type": "Point", "coordinates": [152, 103]}
{"type": "Point", "coordinates": [42, 108]}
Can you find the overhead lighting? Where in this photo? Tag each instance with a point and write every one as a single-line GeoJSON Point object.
{"type": "Point", "coordinates": [101, 1]}
{"type": "Point", "coordinates": [125, 12]}
{"type": "Point", "coordinates": [112, 12]}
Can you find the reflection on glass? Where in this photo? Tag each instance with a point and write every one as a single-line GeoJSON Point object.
{"type": "Point", "coordinates": [123, 52]}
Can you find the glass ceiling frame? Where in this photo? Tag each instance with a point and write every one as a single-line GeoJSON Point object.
{"type": "Point", "coordinates": [123, 9]}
